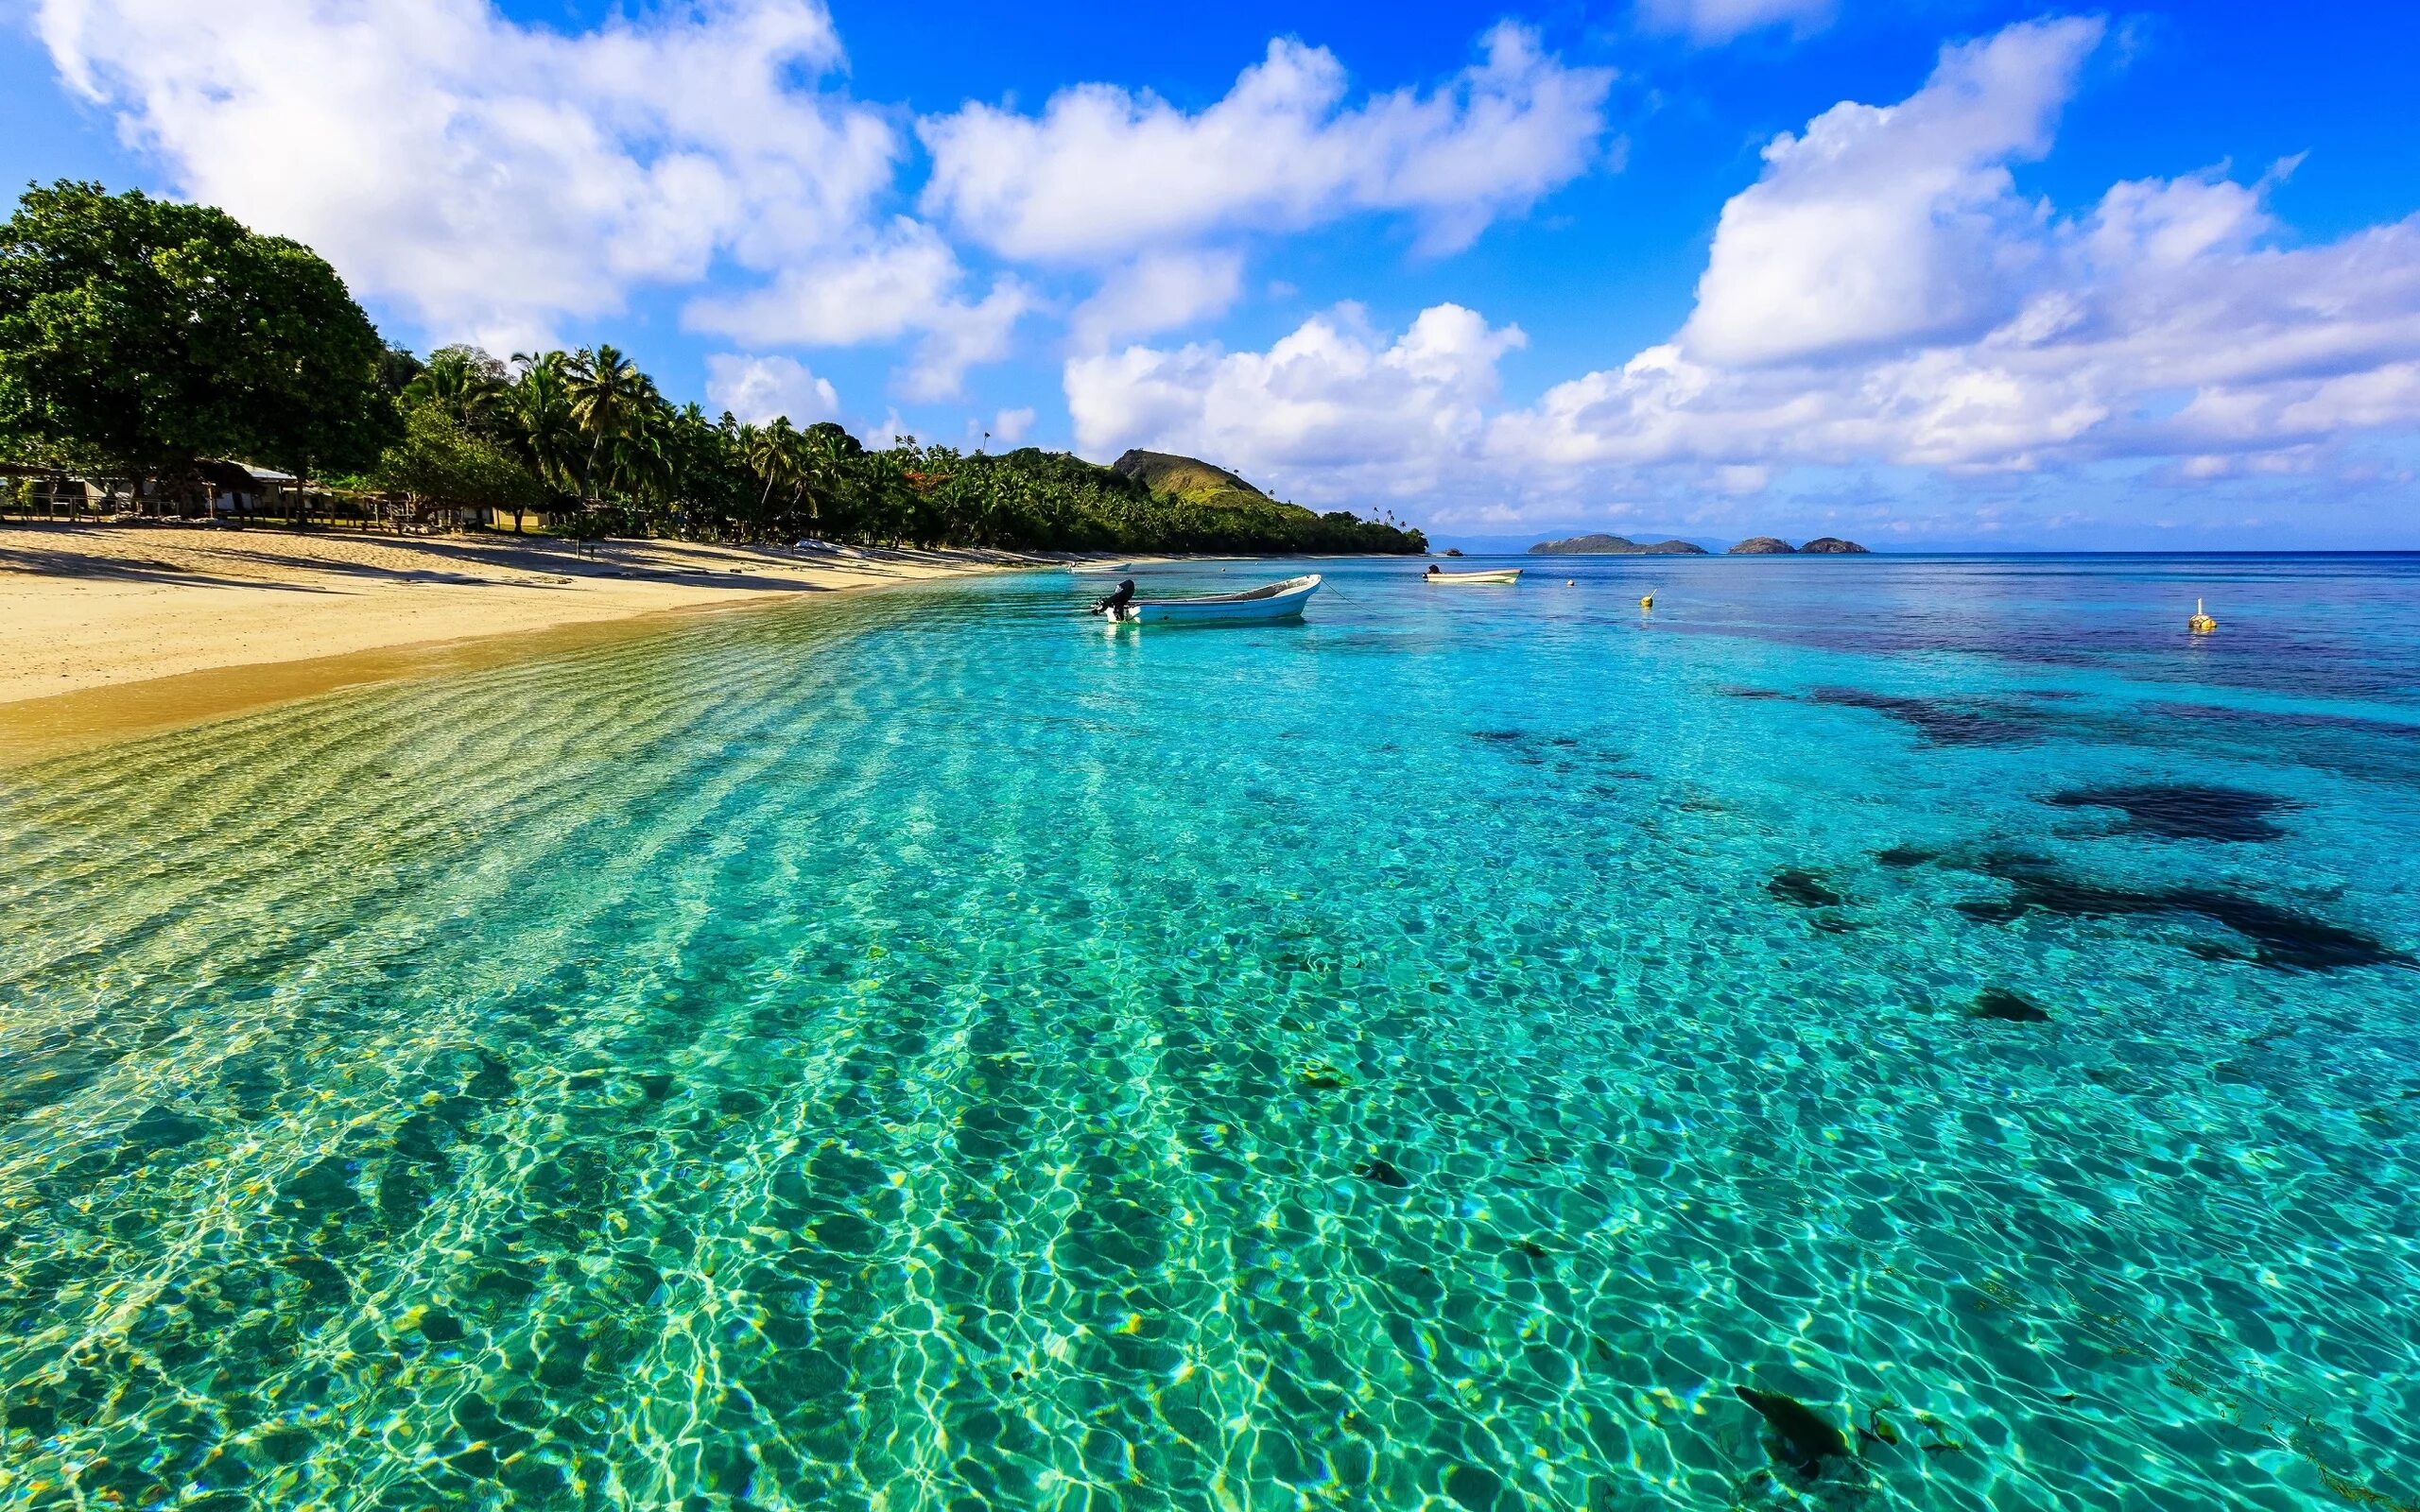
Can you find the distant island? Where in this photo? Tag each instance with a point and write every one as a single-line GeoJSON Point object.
{"type": "Point", "coordinates": [1776, 547]}
{"type": "Point", "coordinates": [1603, 545]}
{"type": "Point", "coordinates": [1614, 546]}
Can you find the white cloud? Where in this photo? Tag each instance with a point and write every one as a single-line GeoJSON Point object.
{"type": "Point", "coordinates": [868, 293]}
{"type": "Point", "coordinates": [1334, 405]}
{"type": "Point", "coordinates": [1884, 225]}
{"type": "Point", "coordinates": [756, 389]}
{"type": "Point", "coordinates": [1010, 426]}
{"type": "Point", "coordinates": [1103, 173]}
{"type": "Point", "coordinates": [904, 280]}
{"type": "Point", "coordinates": [1158, 291]}
{"type": "Point", "coordinates": [1707, 22]}
{"type": "Point", "coordinates": [958, 336]}
{"type": "Point", "coordinates": [1951, 325]}
{"type": "Point", "coordinates": [493, 177]}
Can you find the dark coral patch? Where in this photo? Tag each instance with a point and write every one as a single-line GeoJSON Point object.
{"type": "Point", "coordinates": [1903, 856]}
{"type": "Point", "coordinates": [1804, 1439]}
{"type": "Point", "coordinates": [2008, 1006]}
{"type": "Point", "coordinates": [2184, 811]}
{"type": "Point", "coordinates": [1990, 910]}
{"type": "Point", "coordinates": [1383, 1172]}
{"type": "Point", "coordinates": [2282, 938]}
{"type": "Point", "coordinates": [161, 1129]}
{"type": "Point", "coordinates": [1939, 721]}
{"type": "Point", "coordinates": [1803, 889]}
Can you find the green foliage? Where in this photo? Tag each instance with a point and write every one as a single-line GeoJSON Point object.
{"type": "Point", "coordinates": [440, 458]}
{"type": "Point", "coordinates": [151, 335]}
{"type": "Point", "coordinates": [148, 335]}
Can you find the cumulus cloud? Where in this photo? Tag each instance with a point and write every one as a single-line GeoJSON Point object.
{"type": "Point", "coordinates": [493, 177]}
{"type": "Point", "coordinates": [1103, 173]}
{"type": "Point", "coordinates": [904, 280]}
{"type": "Point", "coordinates": [1880, 296]}
{"type": "Point", "coordinates": [1707, 22]}
{"type": "Point", "coordinates": [1158, 291]}
{"type": "Point", "coordinates": [756, 389]}
{"type": "Point", "coordinates": [1884, 225]}
{"type": "Point", "coordinates": [958, 336]}
{"type": "Point", "coordinates": [1010, 426]}
{"type": "Point", "coordinates": [1335, 403]}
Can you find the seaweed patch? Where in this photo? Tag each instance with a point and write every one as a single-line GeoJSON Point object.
{"type": "Point", "coordinates": [1940, 723]}
{"type": "Point", "coordinates": [2184, 811]}
{"type": "Point", "coordinates": [2282, 938]}
{"type": "Point", "coordinates": [1804, 1439]}
{"type": "Point", "coordinates": [1904, 856]}
{"type": "Point", "coordinates": [1803, 889]}
{"type": "Point", "coordinates": [2008, 1006]}
{"type": "Point", "coordinates": [1383, 1172]}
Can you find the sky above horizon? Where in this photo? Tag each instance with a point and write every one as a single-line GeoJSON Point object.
{"type": "Point", "coordinates": [1934, 274]}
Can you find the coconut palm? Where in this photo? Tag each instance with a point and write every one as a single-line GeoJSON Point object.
{"type": "Point", "coordinates": [771, 453]}
{"type": "Point", "coordinates": [463, 381]}
{"type": "Point", "coordinates": [539, 405]}
{"type": "Point", "coordinates": [608, 392]}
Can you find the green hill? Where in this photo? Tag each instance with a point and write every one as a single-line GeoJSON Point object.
{"type": "Point", "coordinates": [1222, 512]}
{"type": "Point", "coordinates": [1183, 478]}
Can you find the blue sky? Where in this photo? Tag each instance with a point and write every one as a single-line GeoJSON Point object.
{"type": "Point", "coordinates": [1928, 274]}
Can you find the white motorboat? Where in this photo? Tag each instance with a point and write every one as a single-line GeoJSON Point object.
{"type": "Point", "coordinates": [1492, 574]}
{"type": "Point", "coordinates": [1272, 601]}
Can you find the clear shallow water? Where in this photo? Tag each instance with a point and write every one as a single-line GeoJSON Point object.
{"type": "Point", "coordinates": [931, 1051]}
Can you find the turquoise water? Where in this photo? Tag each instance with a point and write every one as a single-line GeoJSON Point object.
{"type": "Point", "coordinates": [928, 1051]}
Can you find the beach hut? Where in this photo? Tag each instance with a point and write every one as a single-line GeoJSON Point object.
{"type": "Point", "coordinates": [246, 488]}
{"type": "Point", "coordinates": [48, 491]}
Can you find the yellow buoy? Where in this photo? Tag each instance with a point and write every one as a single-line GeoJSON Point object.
{"type": "Point", "coordinates": [2200, 623]}
{"type": "Point", "coordinates": [1647, 600]}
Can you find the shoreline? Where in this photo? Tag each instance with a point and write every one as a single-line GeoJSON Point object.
{"type": "Point", "coordinates": [110, 631]}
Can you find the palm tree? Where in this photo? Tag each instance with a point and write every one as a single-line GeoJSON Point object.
{"type": "Point", "coordinates": [771, 452]}
{"type": "Point", "coordinates": [640, 456]}
{"type": "Point", "coordinates": [540, 407]}
{"type": "Point", "coordinates": [464, 381]}
{"type": "Point", "coordinates": [824, 460]}
{"type": "Point", "coordinates": [607, 392]}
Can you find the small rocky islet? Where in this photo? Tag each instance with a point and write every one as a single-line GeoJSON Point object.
{"type": "Point", "coordinates": [1600, 545]}
{"type": "Point", "coordinates": [1776, 547]}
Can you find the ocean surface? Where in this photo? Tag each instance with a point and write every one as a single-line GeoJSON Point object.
{"type": "Point", "coordinates": [1868, 1033]}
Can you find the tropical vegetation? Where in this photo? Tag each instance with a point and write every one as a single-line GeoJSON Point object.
{"type": "Point", "coordinates": [140, 337]}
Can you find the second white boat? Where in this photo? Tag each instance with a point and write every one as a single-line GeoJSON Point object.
{"type": "Point", "coordinates": [1492, 574]}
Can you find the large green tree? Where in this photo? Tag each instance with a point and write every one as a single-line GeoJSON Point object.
{"type": "Point", "coordinates": [441, 459]}
{"type": "Point", "coordinates": [152, 334]}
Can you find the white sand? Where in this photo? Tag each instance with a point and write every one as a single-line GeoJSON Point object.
{"type": "Point", "coordinates": [90, 607]}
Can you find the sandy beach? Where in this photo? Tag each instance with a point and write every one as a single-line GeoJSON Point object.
{"type": "Point", "coordinates": [117, 629]}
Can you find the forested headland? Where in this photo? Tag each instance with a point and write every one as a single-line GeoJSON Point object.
{"type": "Point", "coordinates": [140, 339]}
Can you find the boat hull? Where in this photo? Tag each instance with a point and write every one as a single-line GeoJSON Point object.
{"type": "Point", "coordinates": [1258, 607]}
{"type": "Point", "coordinates": [1502, 575]}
